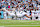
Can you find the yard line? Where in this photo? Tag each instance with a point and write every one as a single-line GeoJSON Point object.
{"type": "Point", "coordinates": [22, 25]}
{"type": "Point", "coordinates": [1, 26]}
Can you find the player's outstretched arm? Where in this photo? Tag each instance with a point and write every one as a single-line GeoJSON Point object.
{"type": "Point", "coordinates": [28, 16]}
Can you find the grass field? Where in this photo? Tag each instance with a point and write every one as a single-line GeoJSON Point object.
{"type": "Point", "coordinates": [19, 23]}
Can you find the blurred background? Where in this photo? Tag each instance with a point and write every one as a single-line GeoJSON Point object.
{"type": "Point", "coordinates": [31, 7]}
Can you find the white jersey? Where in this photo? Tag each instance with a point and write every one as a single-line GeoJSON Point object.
{"type": "Point", "coordinates": [20, 14]}
{"type": "Point", "coordinates": [32, 13]}
{"type": "Point", "coordinates": [36, 13]}
{"type": "Point", "coordinates": [28, 13]}
{"type": "Point", "coordinates": [5, 15]}
{"type": "Point", "coordinates": [11, 14]}
{"type": "Point", "coordinates": [39, 14]}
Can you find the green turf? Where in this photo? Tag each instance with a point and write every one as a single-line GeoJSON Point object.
{"type": "Point", "coordinates": [8, 23]}
{"type": "Point", "coordinates": [22, 26]}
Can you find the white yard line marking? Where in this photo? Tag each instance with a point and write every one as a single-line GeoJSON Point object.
{"type": "Point", "coordinates": [22, 25]}
{"type": "Point", "coordinates": [1, 26]}
{"type": "Point", "coordinates": [19, 25]}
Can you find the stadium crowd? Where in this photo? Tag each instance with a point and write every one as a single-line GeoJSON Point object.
{"type": "Point", "coordinates": [31, 7]}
